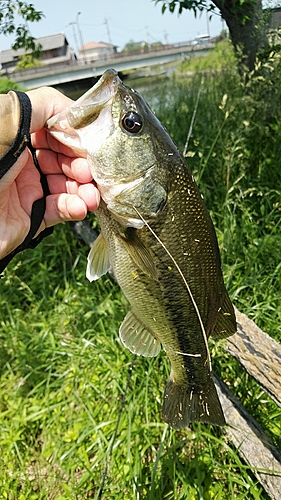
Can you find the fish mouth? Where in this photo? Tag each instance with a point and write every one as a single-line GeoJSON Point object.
{"type": "Point", "coordinates": [87, 108]}
{"type": "Point", "coordinates": [94, 100]}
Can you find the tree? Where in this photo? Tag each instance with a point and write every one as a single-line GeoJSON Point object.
{"type": "Point", "coordinates": [132, 46]}
{"type": "Point", "coordinates": [6, 84]}
{"type": "Point", "coordinates": [245, 20]}
{"type": "Point", "coordinates": [23, 39]}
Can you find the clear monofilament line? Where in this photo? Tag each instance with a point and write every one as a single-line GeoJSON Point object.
{"type": "Point", "coordinates": [187, 287]}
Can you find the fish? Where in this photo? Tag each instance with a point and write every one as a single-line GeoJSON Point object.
{"type": "Point", "coordinates": [158, 240]}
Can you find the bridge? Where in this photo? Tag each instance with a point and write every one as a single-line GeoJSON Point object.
{"type": "Point", "coordinates": [67, 74]}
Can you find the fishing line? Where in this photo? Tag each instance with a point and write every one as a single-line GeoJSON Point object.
{"type": "Point", "coordinates": [105, 472]}
{"type": "Point", "coordinates": [193, 116]}
{"type": "Point", "coordinates": [186, 284]}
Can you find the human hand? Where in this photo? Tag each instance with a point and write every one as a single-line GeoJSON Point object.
{"type": "Point", "coordinates": [72, 192]}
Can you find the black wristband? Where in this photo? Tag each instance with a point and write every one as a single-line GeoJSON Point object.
{"type": "Point", "coordinates": [23, 136]}
{"type": "Point", "coordinates": [21, 141]}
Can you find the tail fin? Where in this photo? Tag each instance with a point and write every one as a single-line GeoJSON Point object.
{"type": "Point", "coordinates": [183, 405]}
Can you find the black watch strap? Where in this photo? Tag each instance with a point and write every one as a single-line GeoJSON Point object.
{"type": "Point", "coordinates": [22, 141]}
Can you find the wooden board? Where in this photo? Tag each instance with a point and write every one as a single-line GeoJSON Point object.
{"type": "Point", "coordinates": [259, 354]}
{"type": "Point", "coordinates": [251, 442]}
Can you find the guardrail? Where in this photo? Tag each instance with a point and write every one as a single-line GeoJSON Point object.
{"type": "Point", "coordinates": [139, 58]}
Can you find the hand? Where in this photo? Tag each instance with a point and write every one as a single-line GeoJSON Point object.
{"type": "Point", "coordinates": [72, 192]}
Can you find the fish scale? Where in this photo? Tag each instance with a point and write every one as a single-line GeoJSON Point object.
{"type": "Point", "coordinates": [157, 237]}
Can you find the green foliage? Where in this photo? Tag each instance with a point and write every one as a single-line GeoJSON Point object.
{"type": "Point", "coordinates": [6, 84]}
{"type": "Point", "coordinates": [218, 58]}
{"type": "Point", "coordinates": [63, 369]}
{"type": "Point", "coordinates": [237, 164]}
{"type": "Point", "coordinates": [246, 21]}
{"type": "Point", "coordinates": [28, 61]}
{"type": "Point", "coordinates": [63, 375]}
{"type": "Point", "coordinates": [237, 6]}
{"type": "Point", "coordinates": [26, 11]}
{"type": "Point", "coordinates": [194, 5]}
{"type": "Point", "coordinates": [132, 46]}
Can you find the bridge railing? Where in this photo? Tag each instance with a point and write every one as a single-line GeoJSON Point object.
{"type": "Point", "coordinates": [118, 56]}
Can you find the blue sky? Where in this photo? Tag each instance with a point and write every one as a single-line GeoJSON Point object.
{"type": "Point", "coordinates": [117, 21]}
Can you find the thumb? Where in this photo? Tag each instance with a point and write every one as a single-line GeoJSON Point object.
{"type": "Point", "coordinates": [45, 102]}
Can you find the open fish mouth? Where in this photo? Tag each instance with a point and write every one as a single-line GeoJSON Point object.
{"type": "Point", "coordinates": [85, 111]}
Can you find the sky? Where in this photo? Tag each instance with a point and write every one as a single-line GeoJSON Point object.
{"type": "Point", "coordinates": [116, 22]}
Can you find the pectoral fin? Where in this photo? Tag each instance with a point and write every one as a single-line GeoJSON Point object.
{"type": "Point", "coordinates": [139, 253]}
{"type": "Point", "coordinates": [98, 259]}
{"type": "Point", "coordinates": [136, 337]}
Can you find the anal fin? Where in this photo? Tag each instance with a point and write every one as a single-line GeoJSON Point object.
{"type": "Point", "coordinates": [136, 337]}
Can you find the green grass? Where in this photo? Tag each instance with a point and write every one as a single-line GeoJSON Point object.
{"type": "Point", "coordinates": [66, 380]}
{"type": "Point", "coordinates": [63, 376]}
{"type": "Point", "coordinates": [219, 57]}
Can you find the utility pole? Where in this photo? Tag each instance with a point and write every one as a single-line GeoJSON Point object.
{"type": "Point", "coordinates": [80, 36]}
{"type": "Point", "coordinates": [107, 30]}
{"type": "Point", "coordinates": [74, 36]}
{"type": "Point", "coordinates": [147, 38]}
{"type": "Point", "coordinates": [207, 20]}
{"type": "Point", "coordinates": [208, 24]}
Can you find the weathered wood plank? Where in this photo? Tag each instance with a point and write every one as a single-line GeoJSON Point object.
{"type": "Point", "coordinates": [259, 354]}
{"type": "Point", "coordinates": [251, 441]}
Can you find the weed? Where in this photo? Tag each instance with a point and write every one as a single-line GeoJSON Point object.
{"type": "Point", "coordinates": [63, 368]}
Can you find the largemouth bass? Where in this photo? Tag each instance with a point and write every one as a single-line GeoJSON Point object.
{"type": "Point", "coordinates": [157, 237]}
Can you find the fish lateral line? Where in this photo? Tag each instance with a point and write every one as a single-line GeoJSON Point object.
{"type": "Point", "coordinates": [208, 360]}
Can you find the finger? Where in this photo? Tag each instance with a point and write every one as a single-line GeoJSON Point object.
{"type": "Point", "coordinates": [14, 171]}
{"type": "Point", "coordinates": [58, 184]}
{"type": "Point", "coordinates": [54, 163]}
{"type": "Point", "coordinates": [66, 207]}
{"type": "Point", "coordinates": [91, 196]}
{"type": "Point", "coordinates": [88, 192]}
{"type": "Point", "coordinates": [61, 184]}
{"type": "Point", "coordinates": [42, 139]}
{"type": "Point", "coordinates": [76, 168]}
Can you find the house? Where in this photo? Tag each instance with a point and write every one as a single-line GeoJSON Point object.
{"type": "Point", "coordinates": [55, 50]}
{"type": "Point", "coordinates": [93, 51]}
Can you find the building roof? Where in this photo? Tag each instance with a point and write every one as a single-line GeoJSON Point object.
{"type": "Point", "coordinates": [48, 43]}
{"type": "Point", "coordinates": [95, 45]}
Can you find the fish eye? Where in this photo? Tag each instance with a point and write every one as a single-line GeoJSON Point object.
{"type": "Point", "coordinates": [132, 122]}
